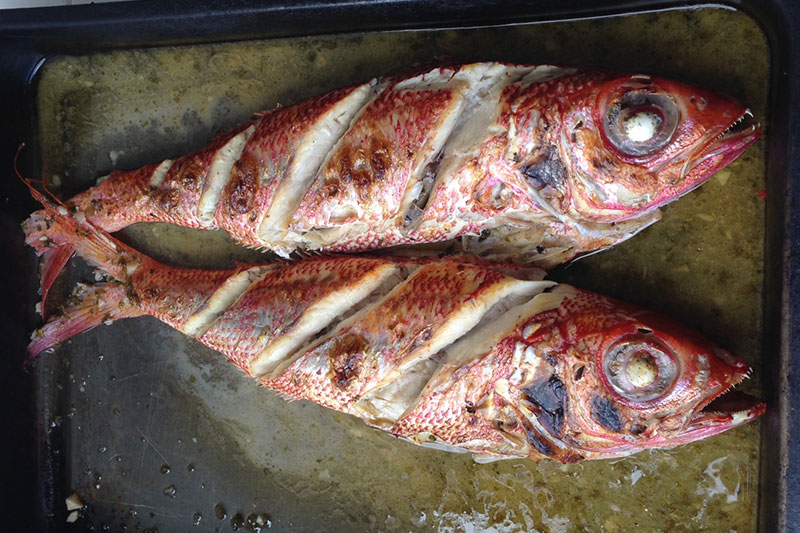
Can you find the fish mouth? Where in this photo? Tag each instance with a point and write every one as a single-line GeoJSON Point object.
{"type": "Point", "coordinates": [734, 139]}
{"type": "Point", "coordinates": [720, 149]}
{"type": "Point", "coordinates": [742, 126]}
{"type": "Point", "coordinates": [720, 412]}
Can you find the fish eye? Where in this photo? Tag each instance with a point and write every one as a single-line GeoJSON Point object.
{"type": "Point", "coordinates": [639, 370]}
{"type": "Point", "coordinates": [641, 122]}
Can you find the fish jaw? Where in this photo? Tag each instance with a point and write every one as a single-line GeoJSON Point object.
{"type": "Point", "coordinates": [722, 409]}
{"type": "Point", "coordinates": [727, 411]}
{"type": "Point", "coordinates": [722, 150]}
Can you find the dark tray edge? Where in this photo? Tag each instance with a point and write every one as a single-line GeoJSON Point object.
{"type": "Point", "coordinates": [30, 35]}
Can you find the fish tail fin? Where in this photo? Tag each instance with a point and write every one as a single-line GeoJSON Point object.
{"type": "Point", "coordinates": [56, 233]}
{"type": "Point", "coordinates": [91, 305]}
{"type": "Point", "coordinates": [53, 231]}
{"type": "Point", "coordinates": [56, 228]}
{"type": "Point", "coordinates": [54, 258]}
{"type": "Point", "coordinates": [53, 262]}
{"type": "Point", "coordinates": [39, 235]}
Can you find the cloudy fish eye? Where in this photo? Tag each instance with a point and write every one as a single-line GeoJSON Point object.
{"type": "Point", "coordinates": [641, 122]}
{"type": "Point", "coordinates": [639, 370]}
{"type": "Point", "coordinates": [642, 126]}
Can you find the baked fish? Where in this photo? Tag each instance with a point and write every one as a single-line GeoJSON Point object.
{"type": "Point", "coordinates": [530, 163]}
{"type": "Point", "coordinates": [456, 353]}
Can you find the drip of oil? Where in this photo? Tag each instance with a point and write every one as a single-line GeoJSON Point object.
{"type": "Point", "coordinates": [176, 402]}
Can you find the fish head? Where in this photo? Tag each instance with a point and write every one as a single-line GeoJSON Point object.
{"type": "Point", "coordinates": [573, 375]}
{"type": "Point", "coordinates": [633, 379]}
{"type": "Point", "coordinates": [633, 143]}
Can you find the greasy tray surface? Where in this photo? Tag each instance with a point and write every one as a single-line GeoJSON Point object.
{"type": "Point", "coordinates": [137, 395]}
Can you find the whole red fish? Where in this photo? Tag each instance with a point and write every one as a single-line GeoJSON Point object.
{"type": "Point", "coordinates": [454, 353]}
{"type": "Point", "coordinates": [531, 163]}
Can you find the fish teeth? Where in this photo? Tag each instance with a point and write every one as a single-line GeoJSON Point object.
{"type": "Point", "coordinates": [745, 116]}
{"type": "Point", "coordinates": [727, 131]}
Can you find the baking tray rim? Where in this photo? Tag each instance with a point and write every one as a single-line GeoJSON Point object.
{"type": "Point", "coordinates": [39, 35]}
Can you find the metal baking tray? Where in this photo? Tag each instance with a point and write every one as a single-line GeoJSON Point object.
{"type": "Point", "coordinates": [154, 431]}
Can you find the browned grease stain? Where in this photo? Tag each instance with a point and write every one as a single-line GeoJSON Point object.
{"type": "Point", "coordinates": [243, 185]}
{"type": "Point", "coordinates": [362, 169]}
{"type": "Point", "coordinates": [347, 356]}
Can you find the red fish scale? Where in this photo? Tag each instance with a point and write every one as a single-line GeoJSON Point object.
{"type": "Point", "coordinates": [272, 306]}
{"type": "Point", "coordinates": [119, 201]}
{"type": "Point", "coordinates": [469, 197]}
{"type": "Point", "coordinates": [587, 317]}
{"type": "Point", "coordinates": [177, 198]}
{"type": "Point", "coordinates": [587, 313]}
{"type": "Point", "coordinates": [350, 176]}
{"type": "Point", "coordinates": [581, 317]}
{"type": "Point", "coordinates": [393, 237]}
{"type": "Point", "coordinates": [173, 294]}
{"type": "Point", "coordinates": [265, 159]}
{"type": "Point", "coordinates": [372, 166]}
{"type": "Point", "coordinates": [453, 406]}
{"type": "Point", "coordinates": [443, 409]}
{"type": "Point", "coordinates": [443, 214]}
{"type": "Point", "coordinates": [555, 95]}
{"type": "Point", "coordinates": [127, 197]}
{"type": "Point", "coordinates": [537, 113]}
{"type": "Point", "coordinates": [370, 240]}
{"type": "Point", "coordinates": [337, 372]}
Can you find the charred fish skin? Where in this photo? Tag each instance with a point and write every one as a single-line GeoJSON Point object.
{"type": "Point", "coordinates": [530, 163]}
{"type": "Point", "coordinates": [453, 353]}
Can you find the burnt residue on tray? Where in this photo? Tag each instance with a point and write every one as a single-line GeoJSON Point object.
{"type": "Point", "coordinates": [136, 395]}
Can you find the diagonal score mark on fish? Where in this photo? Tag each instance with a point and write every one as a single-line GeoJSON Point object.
{"type": "Point", "coordinates": [536, 164]}
{"type": "Point", "coordinates": [454, 353]}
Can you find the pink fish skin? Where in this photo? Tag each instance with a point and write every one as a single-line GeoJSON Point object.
{"type": "Point", "coordinates": [455, 353]}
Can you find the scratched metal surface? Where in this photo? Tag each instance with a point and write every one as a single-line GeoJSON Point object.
{"type": "Point", "coordinates": [160, 432]}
